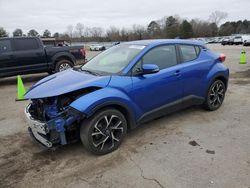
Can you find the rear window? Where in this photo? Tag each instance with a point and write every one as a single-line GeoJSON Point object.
{"type": "Point", "coordinates": [26, 44]}
{"type": "Point", "coordinates": [5, 46]}
{"type": "Point", "coordinates": [189, 52]}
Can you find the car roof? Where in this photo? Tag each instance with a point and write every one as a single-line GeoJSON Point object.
{"type": "Point", "coordinates": [165, 41]}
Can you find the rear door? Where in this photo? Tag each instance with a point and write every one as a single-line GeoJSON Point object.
{"type": "Point", "coordinates": [29, 55]}
{"type": "Point", "coordinates": [195, 67]}
{"type": "Point", "coordinates": [6, 57]}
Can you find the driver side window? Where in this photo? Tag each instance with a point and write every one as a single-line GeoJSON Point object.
{"type": "Point", "coordinates": [162, 56]}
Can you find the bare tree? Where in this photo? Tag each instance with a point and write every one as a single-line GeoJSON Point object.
{"type": "Point", "coordinates": [217, 16]}
{"type": "Point", "coordinates": [86, 32]}
{"type": "Point", "coordinates": [201, 28]}
{"type": "Point", "coordinates": [124, 34]}
{"type": "Point", "coordinates": [96, 33]}
{"type": "Point", "coordinates": [113, 34]}
{"type": "Point", "coordinates": [70, 29]}
{"type": "Point", "coordinates": [139, 31]}
{"type": "Point", "coordinates": [79, 29]}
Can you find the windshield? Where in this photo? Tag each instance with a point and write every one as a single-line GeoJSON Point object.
{"type": "Point", "coordinates": [113, 60]}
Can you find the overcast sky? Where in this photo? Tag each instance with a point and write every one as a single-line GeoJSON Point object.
{"type": "Point", "coordinates": [56, 15]}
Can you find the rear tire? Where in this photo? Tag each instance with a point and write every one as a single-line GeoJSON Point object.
{"type": "Point", "coordinates": [63, 65]}
{"type": "Point", "coordinates": [104, 131]}
{"type": "Point", "coordinates": [215, 96]}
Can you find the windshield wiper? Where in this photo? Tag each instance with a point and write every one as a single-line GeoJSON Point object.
{"type": "Point", "coordinates": [90, 72]}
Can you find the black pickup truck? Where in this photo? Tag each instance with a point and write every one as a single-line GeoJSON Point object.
{"type": "Point", "coordinates": [25, 55]}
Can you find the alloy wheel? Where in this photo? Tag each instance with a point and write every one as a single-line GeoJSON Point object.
{"type": "Point", "coordinates": [216, 95]}
{"type": "Point", "coordinates": [107, 132]}
{"type": "Point", "coordinates": [64, 66]}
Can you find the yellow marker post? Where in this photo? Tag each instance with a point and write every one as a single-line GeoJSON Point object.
{"type": "Point", "coordinates": [20, 89]}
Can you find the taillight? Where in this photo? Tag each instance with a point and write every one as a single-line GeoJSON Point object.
{"type": "Point", "coordinates": [82, 51]}
{"type": "Point", "coordinates": [222, 58]}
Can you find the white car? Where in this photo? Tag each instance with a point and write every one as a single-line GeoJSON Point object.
{"type": "Point", "coordinates": [237, 40]}
{"type": "Point", "coordinates": [246, 40]}
{"type": "Point", "coordinates": [97, 48]}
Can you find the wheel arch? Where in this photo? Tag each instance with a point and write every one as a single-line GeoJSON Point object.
{"type": "Point", "coordinates": [62, 56]}
{"type": "Point", "coordinates": [108, 97]}
{"type": "Point", "coordinates": [223, 79]}
{"type": "Point", "coordinates": [218, 72]}
{"type": "Point", "coordinates": [120, 107]}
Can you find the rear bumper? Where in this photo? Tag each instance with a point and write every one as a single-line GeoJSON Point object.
{"type": "Point", "coordinates": [37, 129]}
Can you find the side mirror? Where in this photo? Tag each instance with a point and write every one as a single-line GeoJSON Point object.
{"type": "Point", "coordinates": [150, 68]}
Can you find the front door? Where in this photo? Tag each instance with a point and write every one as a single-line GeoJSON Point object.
{"type": "Point", "coordinates": [158, 90]}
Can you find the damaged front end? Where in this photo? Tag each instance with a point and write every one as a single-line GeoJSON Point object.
{"type": "Point", "coordinates": [52, 122]}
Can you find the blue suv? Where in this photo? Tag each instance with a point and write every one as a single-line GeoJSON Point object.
{"type": "Point", "coordinates": [124, 86]}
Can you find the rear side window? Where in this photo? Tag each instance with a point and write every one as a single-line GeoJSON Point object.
{"type": "Point", "coordinates": [26, 44]}
{"type": "Point", "coordinates": [189, 52]}
{"type": "Point", "coordinates": [5, 46]}
{"type": "Point", "coordinates": [163, 56]}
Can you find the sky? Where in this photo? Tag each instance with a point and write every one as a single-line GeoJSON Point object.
{"type": "Point", "coordinates": [56, 15]}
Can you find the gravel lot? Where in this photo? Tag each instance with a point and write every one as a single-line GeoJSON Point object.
{"type": "Point", "coordinates": [191, 148]}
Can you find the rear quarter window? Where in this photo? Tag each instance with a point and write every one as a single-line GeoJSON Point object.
{"type": "Point", "coordinates": [189, 52]}
{"type": "Point", "coordinates": [5, 46]}
{"type": "Point", "coordinates": [26, 44]}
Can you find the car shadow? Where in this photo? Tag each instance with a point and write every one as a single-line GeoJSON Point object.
{"type": "Point", "coordinates": [165, 119]}
{"type": "Point", "coordinates": [131, 138]}
{"type": "Point", "coordinates": [25, 78]}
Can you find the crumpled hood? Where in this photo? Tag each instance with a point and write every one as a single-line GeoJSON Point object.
{"type": "Point", "coordinates": [65, 82]}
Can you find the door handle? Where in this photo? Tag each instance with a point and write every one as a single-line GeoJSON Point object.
{"type": "Point", "coordinates": [177, 73]}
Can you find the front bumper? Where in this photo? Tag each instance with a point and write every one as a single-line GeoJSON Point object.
{"type": "Point", "coordinates": [60, 130]}
{"type": "Point", "coordinates": [38, 130]}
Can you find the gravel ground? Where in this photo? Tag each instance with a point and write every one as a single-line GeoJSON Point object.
{"type": "Point", "coordinates": [191, 148]}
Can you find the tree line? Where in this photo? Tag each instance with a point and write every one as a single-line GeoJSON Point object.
{"type": "Point", "coordinates": [167, 27]}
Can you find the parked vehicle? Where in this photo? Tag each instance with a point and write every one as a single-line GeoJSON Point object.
{"type": "Point", "coordinates": [237, 40]}
{"type": "Point", "coordinates": [97, 48]}
{"type": "Point", "coordinates": [211, 40]}
{"type": "Point", "coordinates": [24, 55]}
{"type": "Point", "coordinates": [231, 41]}
{"type": "Point", "coordinates": [116, 43]}
{"type": "Point", "coordinates": [246, 40]}
{"type": "Point", "coordinates": [121, 88]}
{"type": "Point", "coordinates": [225, 41]}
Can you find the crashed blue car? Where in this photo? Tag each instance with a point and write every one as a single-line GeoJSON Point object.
{"type": "Point", "coordinates": [121, 88]}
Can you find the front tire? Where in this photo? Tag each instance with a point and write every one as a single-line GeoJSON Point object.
{"type": "Point", "coordinates": [104, 131]}
{"type": "Point", "coordinates": [215, 96]}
